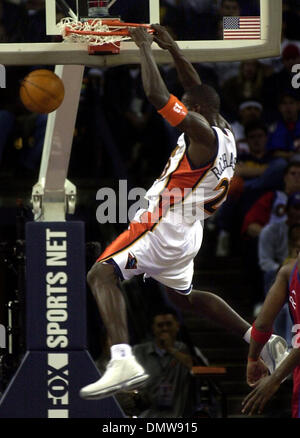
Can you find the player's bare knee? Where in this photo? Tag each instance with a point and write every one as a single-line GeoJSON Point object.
{"type": "Point", "coordinates": [191, 297]}
{"type": "Point", "coordinates": [203, 300]}
{"type": "Point", "coordinates": [100, 274]}
{"type": "Point", "coordinates": [197, 298]}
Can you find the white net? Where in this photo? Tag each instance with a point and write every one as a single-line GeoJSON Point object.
{"type": "Point", "coordinates": [93, 28]}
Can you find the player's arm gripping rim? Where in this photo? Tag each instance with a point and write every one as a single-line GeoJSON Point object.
{"type": "Point", "coordinates": [203, 141]}
{"type": "Point", "coordinates": [264, 390]}
{"type": "Point", "coordinates": [187, 74]}
{"type": "Point", "coordinates": [185, 70]}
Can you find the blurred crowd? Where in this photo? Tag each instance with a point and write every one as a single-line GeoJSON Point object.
{"type": "Point", "coordinates": [119, 135]}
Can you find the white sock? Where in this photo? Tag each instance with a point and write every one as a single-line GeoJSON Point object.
{"type": "Point", "coordinates": [264, 354]}
{"type": "Point", "coordinates": [247, 335]}
{"type": "Point", "coordinates": [120, 351]}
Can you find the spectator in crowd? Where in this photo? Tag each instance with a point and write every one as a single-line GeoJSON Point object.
{"type": "Point", "coordinates": [169, 391]}
{"type": "Point", "coordinates": [284, 140]}
{"type": "Point", "coordinates": [230, 8]}
{"type": "Point", "coordinates": [271, 206]}
{"type": "Point", "coordinates": [247, 85]}
{"type": "Point", "coordinates": [249, 111]}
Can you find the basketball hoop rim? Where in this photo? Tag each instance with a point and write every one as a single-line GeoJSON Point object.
{"type": "Point", "coordinates": [111, 24]}
{"type": "Point", "coordinates": [101, 35]}
{"type": "Point", "coordinates": [69, 31]}
{"type": "Point", "coordinates": [116, 23]}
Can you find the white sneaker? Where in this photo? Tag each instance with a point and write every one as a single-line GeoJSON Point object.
{"type": "Point", "coordinates": [120, 374]}
{"type": "Point", "coordinates": [274, 352]}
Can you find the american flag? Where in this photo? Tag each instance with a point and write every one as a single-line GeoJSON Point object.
{"type": "Point", "coordinates": [241, 28]}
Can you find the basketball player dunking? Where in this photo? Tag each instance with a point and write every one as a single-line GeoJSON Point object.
{"type": "Point", "coordinates": [154, 244]}
{"type": "Point", "coordinates": [286, 287]}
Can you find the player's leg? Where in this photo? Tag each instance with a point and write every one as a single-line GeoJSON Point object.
{"type": "Point", "coordinates": [123, 371]}
{"type": "Point", "coordinates": [105, 286]}
{"type": "Point", "coordinates": [216, 309]}
{"type": "Point", "coordinates": [212, 307]}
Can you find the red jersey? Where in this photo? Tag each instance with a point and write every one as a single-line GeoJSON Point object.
{"type": "Point", "coordinates": [294, 306]}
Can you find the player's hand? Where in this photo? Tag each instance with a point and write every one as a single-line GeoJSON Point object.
{"type": "Point", "coordinates": [257, 399]}
{"type": "Point", "coordinates": [256, 371]}
{"type": "Point", "coordinates": [162, 37]}
{"type": "Point", "coordinates": [140, 36]}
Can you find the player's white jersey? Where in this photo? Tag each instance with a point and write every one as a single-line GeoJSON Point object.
{"type": "Point", "coordinates": [163, 240]}
{"type": "Point", "coordinates": [188, 194]}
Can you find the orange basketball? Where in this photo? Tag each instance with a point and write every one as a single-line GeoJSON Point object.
{"type": "Point", "coordinates": [42, 91]}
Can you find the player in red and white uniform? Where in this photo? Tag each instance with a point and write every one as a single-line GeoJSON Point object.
{"type": "Point", "coordinates": [286, 287]}
{"type": "Point", "coordinates": [162, 241]}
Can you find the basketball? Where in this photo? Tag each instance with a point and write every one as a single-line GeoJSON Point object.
{"type": "Point", "coordinates": [42, 91]}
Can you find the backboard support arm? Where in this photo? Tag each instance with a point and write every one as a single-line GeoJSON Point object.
{"type": "Point", "coordinates": [54, 195]}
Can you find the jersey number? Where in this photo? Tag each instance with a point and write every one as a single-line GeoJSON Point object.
{"type": "Point", "coordinates": [213, 204]}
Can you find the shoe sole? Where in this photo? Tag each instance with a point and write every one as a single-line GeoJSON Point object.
{"type": "Point", "coordinates": [137, 382]}
{"type": "Point", "coordinates": [129, 384]}
{"type": "Point", "coordinates": [99, 396]}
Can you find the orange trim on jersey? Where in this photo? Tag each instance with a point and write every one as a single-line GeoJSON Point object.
{"type": "Point", "coordinates": [174, 111]}
{"type": "Point", "coordinates": [124, 240]}
{"type": "Point", "coordinates": [185, 177]}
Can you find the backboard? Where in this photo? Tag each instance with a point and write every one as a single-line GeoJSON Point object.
{"type": "Point", "coordinates": [56, 52]}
